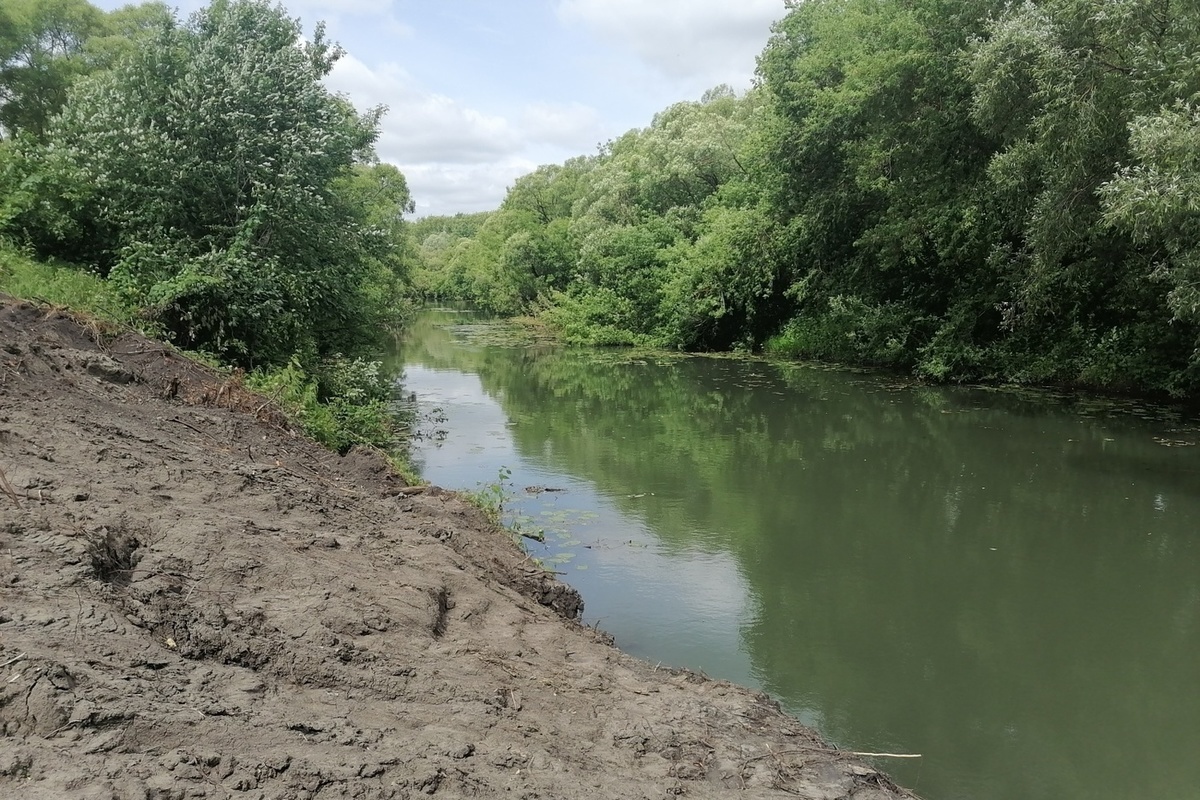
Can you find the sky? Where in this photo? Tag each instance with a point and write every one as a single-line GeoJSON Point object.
{"type": "Point", "coordinates": [480, 92]}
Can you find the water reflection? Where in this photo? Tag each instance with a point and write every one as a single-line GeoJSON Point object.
{"type": "Point", "coordinates": [999, 582]}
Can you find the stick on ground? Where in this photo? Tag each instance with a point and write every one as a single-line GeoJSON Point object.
{"type": "Point", "coordinates": [6, 487]}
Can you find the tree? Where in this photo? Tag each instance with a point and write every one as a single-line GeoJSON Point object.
{"type": "Point", "coordinates": [122, 31]}
{"type": "Point", "coordinates": [1061, 85]}
{"type": "Point", "coordinates": [41, 55]}
{"type": "Point", "coordinates": [880, 188]}
{"type": "Point", "coordinates": [377, 195]}
{"type": "Point", "coordinates": [1154, 200]}
{"type": "Point", "coordinates": [214, 156]}
{"type": "Point", "coordinates": [550, 191]}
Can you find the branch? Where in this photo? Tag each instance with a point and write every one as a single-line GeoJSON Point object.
{"type": "Point", "coordinates": [7, 488]}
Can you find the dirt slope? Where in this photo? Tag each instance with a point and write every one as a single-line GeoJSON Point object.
{"type": "Point", "coordinates": [197, 603]}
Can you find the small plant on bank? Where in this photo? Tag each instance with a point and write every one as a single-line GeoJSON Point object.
{"type": "Point", "coordinates": [352, 411]}
{"type": "Point", "coordinates": [491, 499]}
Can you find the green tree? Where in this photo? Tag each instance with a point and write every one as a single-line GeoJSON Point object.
{"type": "Point", "coordinates": [1060, 84]}
{"type": "Point", "coordinates": [122, 31]}
{"type": "Point", "coordinates": [550, 191]}
{"type": "Point", "coordinates": [436, 239]}
{"type": "Point", "coordinates": [880, 190]}
{"type": "Point", "coordinates": [41, 54]}
{"type": "Point", "coordinates": [1155, 200]}
{"type": "Point", "coordinates": [644, 207]}
{"type": "Point", "coordinates": [216, 162]}
{"type": "Point", "coordinates": [378, 197]}
{"type": "Point", "coordinates": [540, 257]}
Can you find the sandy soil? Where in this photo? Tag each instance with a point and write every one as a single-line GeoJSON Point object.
{"type": "Point", "coordinates": [195, 602]}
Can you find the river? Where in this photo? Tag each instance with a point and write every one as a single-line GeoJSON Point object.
{"type": "Point", "coordinates": [1005, 583]}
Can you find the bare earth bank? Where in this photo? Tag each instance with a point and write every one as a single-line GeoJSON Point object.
{"type": "Point", "coordinates": [197, 603]}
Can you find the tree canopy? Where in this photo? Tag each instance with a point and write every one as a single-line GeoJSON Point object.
{"type": "Point", "coordinates": [968, 190]}
{"type": "Point", "coordinates": [205, 169]}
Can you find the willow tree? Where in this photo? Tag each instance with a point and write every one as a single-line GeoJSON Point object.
{"type": "Point", "coordinates": [880, 185]}
{"type": "Point", "coordinates": [1080, 95]}
{"type": "Point", "coordinates": [41, 54]}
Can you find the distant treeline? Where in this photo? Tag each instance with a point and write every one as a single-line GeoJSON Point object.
{"type": "Point", "coordinates": [968, 189]}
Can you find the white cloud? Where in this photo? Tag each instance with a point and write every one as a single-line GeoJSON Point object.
{"type": "Point", "coordinates": [569, 126]}
{"type": "Point", "coordinates": [458, 158]}
{"type": "Point", "coordinates": [423, 126]}
{"type": "Point", "coordinates": [454, 188]}
{"type": "Point", "coordinates": [398, 29]}
{"type": "Point", "coordinates": [700, 41]}
{"type": "Point", "coordinates": [328, 8]}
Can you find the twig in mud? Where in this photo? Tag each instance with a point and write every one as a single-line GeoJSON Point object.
{"type": "Point", "coordinates": [274, 398]}
{"type": "Point", "coordinates": [160, 574]}
{"type": "Point", "coordinates": [215, 784]}
{"type": "Point", "coordinates": [232, 384]}
{"type": "Point", "coordinates": [191, 427]}
{"type": "Point", "coordinates": [771, 754]}
{"type": "Point", "coordinates": [8, 490]}
{"type": "Point", "coordinates": [313, 476]}
{"type": "Point", "coordinates": [12, 661]}
{"type": "Point", "coordinates": [140, 352]}
{"type": "Point", "coordinates": [12, 367]}
{"type": "Point", "coordinates": [61, 728]}
{"type": "Point", "coordinates": [795, 751]}
{"type": "Point", "coordinates": [41, 496]}
{"type": "Point", "coordinates": [78, 612]}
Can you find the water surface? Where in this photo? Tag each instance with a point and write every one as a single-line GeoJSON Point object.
{"type": "Point", "coordinates": [1007, 584]}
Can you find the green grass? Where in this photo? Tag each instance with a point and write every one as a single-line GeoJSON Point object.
{"type": "Point", "coordinates": [65, 286]}
{"type": "Point", "coordinates": [338, 422]}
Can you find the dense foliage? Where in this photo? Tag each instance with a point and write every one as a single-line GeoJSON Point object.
{"type": "Point", "coordinates": [196, 179]}
{"type": "Point", "coordinates": [205, 171]}
{"type": "Point", "coordinates": [973, 189]}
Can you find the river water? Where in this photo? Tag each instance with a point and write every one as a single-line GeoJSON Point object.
{"type": "Point", "coordinates": [1005, 583]}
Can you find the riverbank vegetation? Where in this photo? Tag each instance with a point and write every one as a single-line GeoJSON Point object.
{"type": "Point", "coordinates": [973, 190]}
{"type": "Point", "coordinates": [195, 178]}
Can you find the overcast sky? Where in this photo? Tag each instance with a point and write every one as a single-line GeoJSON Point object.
{"type": "Point", "coordinates": [482, 91]}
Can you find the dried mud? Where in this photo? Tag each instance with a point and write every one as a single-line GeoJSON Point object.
{"type": "Point", "coordinates": [196, 602]}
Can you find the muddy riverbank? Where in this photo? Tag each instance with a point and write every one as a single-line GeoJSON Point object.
{"type": "Point", "coordinates": [197, 602]}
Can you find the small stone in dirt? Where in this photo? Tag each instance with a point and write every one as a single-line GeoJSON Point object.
{"type": "Point", "coordinates": [82, 496]}
{"type": "Point", "coordinates": [327, 542]}
{"type": "Point", "coordinates": [461, 751]}
{"type": "Point", "coordinates": [430, 783]}
{"type": "Point", "coordinates": [106, 369]}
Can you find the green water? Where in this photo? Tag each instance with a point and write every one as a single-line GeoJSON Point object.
{"type": "Point", "coordinates": [1006, 584]}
